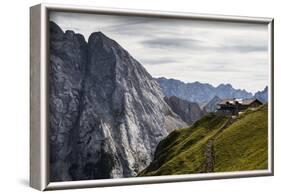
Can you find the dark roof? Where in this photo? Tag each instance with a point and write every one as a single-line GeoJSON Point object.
{"type": "Point", "coordinates": [250, 101]}
{"type": "Point", "coordinates": [240, 101]}
{"type": "Point", "coordinates": [224, 101]}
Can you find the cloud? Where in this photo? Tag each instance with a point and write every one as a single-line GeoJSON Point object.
{"type": "Point", "coordinates": [177, 43]}
{"type": "Point", "coordinates": [244, 48]}
{"type": "Point", "coordinates": [206, 51]}
{"type": "Point", "coordinates": [159, 61]}
{"type": "Point", "coordinates": [195, 45]}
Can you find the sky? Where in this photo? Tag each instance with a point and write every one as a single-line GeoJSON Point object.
{"type": "Point", "coordinates": [187, 50]}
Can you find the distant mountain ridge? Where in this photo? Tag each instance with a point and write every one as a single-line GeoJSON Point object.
{"type": "Point", "coordinates": [262, 95]}
{"type": "Point", "coordinates": [200, 92]}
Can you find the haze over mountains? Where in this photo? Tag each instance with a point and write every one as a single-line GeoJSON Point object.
{"type": "Point", "coordinates": [203, 93]}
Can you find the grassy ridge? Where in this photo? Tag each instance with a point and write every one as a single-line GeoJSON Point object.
{"type": "Point", "coordinates": [183, 150]}
{"type": "Point", "coordinates": [241, 146]}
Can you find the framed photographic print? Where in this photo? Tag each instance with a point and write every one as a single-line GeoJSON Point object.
{"type": "Point", "coordinates": [123, 97]}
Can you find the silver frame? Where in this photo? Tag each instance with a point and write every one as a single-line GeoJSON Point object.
{"type": "Point", "coordinates": [39, 163]}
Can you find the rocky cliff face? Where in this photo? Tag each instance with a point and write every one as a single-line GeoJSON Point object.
{"type": "Point", "coordinates": [199, 92]}
{"type": "Point", "coordinates": [107, 114]}
{"type": "Point", "coordinates": [262, 95]}
{"type": "Point", "coordinates": [188, 111]}
{"type": "Point", "coordinates": [68, 62]}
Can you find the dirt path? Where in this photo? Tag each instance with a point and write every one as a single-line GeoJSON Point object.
{"type": "Point", "coordinates": [209, 149]}
{"type": "Point", "coordinates": [209, 156]}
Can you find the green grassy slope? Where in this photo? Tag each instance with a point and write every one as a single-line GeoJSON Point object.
{"type": "Point", "coordinates": [240, 146]}
{"type": "Point", "coordinates": [243, 145]}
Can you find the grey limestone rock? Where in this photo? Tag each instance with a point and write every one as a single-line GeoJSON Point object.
{"type": "Point", "coordinates": [107, 113]}
{"type": "Point", "coordinates": [188, 111]}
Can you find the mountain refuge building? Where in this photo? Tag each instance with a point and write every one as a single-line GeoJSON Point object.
{"type": "Point", "coordinates": [234, 106]}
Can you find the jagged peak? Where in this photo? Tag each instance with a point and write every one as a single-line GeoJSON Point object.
{"type": "Point", "coordinates": [59, 34]}
{"type": "Point", "coordinates": [54, 28]}
{"type": "Point", "coordinates": [56, 31]}
{"type": "Point", "coordinates": [97, 34]}
{"type": "Point", "coordinates": [225, 85]}
{"type": "Point", "coordinates": [70, 32]}
{"type": "Point", "coordinates": [262, 91]}
{"type": "Point", "coordinates": [169, 79]}
{"type": "Point", "coordinates": [99, 37]}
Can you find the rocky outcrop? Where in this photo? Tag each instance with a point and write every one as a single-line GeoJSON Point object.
{"type": "Point", "coordinates": [200, 93]}
{"type": "Point", "coordinates": [211, 106]}
{"type": "Point", "coordinates": [262, 95]}
{"type": "Point", "coordinates": [107, 114]}
{"type": "Point", "coordinates": [188, 111]}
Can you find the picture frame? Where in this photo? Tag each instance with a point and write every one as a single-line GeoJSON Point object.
{"type": "Point", "coordinates": [39, 97]}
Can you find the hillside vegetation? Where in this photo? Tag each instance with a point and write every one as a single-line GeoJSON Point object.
{"type": "Point", "coordinates": [235, 144]}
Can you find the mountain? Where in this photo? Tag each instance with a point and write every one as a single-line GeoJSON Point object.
{"type": "Point", "coordinates": [193, 92]}
{"type": "Point", "coordinates": [215, 143]}
{"type": "Point", "coordinates": [262, 95]}
{"type": "Point", "coordinates": [68, 62]}
{"type": "Point", "coordinates": [199, 92]}
{"type": "Point", "coordinates": [107, 113]}
{"type": "Point", "coordinates": [211, 106]}
{"type": "Point", "coordinates": [188, 111]}
{"type": "Point", "coordinates": [227, 91]}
